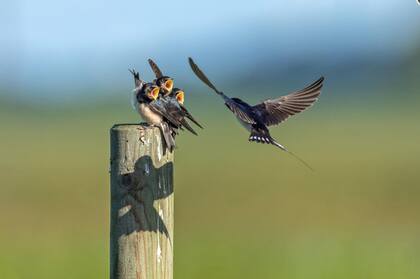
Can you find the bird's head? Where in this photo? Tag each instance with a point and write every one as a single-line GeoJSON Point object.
{"type": "Point", "coordinates": [166, 84]}
{"type": "Point", "coordinates": [179, 95]}
{"type": "Point", "coordinates": [151, 91]}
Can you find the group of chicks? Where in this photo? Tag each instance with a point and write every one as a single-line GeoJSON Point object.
{"type": "Point", "coordinates": [161, 104]}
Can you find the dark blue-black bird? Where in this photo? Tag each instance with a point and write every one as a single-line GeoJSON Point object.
{"type": "Point", "coordinates": [257, 118]}
{"type": "Point", "coordinates": [145, 101]}
{"type": "Point", "coordinates": [178, 95]}
{"type": "Point", "coordinates": [165, 83]}
{"type": "Point", "coordinates": [172, 98]}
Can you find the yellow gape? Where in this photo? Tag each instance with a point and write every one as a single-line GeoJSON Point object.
{"type": "Point", "coordinates": [169, 84]}
{"type": "Point", "coordinates": [180, 97]}
{"type": "Point", "coordinates": [154, 94]}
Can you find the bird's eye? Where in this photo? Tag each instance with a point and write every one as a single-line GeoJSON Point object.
{"type": "Point", "coordinates": [169, 84]}
{"type": "Point", "coordinates": [180, 97]}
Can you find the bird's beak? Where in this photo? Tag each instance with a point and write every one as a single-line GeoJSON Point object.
{"type": "Point", "coordinates": [169, 84]}
{"type": "Point", "coordinates": [180, 97]}
{"type": "Point", "coordinates": [155, 93]}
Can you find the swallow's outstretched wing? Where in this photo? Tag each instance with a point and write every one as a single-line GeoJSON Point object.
{"type": "Point", "coordinates": [235, 105]}
{"type": "Point", "coordinates": [155, 68]}
{"type": "Point", "coordinates": [241, 110]}
{"type": "Point", "coordinates": [273, 112]}
{"type": "Point", "coordinates": [202, 76]}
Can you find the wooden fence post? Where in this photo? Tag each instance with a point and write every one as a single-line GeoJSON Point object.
{"type": "Point", "coordinates": [142, 204]}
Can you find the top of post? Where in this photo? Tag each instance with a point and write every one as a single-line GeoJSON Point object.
{"type": "Point", "coordinates": [130, 126]}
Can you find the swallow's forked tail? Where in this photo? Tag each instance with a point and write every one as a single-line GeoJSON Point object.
{"type": "Point", "coordinates": [268, 139]}
{"type": "Point", "coordinates": [273, 142]}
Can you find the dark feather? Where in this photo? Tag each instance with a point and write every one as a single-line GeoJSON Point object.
{"type": "Point", "coordinates": [261, 134]}
{"type": "Point", "coordinates": [189, 116]}
{"type": "Point", "coordinates": [273, 112]}
{"type": "Point", "coordinates": [159, 108]}
{"type": "Point", "coordinates": [155, 68]}
{"type": "Point", "coordinates": [171, 110]}
{"type": "Point", "coordinates": [137, 81]}
{"type": "Point", "coordinates": [243, 112]}
{"type": "Point", "coordinates": [168, 135]}
{"type": "Point", "coordinates": [202, 76]}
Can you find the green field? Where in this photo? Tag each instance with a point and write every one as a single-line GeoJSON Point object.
{"type": "Point", "coordinates": [242, 210]}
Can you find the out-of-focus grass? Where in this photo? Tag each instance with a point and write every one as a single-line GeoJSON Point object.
{"type": "Point", "coordinates": [242, 210]}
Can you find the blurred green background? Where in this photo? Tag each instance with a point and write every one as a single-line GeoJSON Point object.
{"type": "Point", "coordinates": [242, 210]}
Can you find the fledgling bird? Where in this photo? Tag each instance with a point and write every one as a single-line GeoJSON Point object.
{"type": "Point", "coordinates": [173, 98]}
{"type": "Point", "coordinates": [257, 118]}
{"type": "Point", "coordinates": [144, 101]}
{"type": "Point", "coordinates": [165, 83]}
{"type": "Point", "coordinates": [179, 95]}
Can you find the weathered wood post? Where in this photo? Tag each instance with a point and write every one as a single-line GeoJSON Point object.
{"type": "Point", "coordinates": [142, 204]}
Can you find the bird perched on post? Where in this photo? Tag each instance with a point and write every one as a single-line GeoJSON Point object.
{"type": "Point", "coordinates": [178, 95]}
{"type": "Point", "coordinates": [165, 83]}
{"type": "Point", "coordinates": [257, 118]}
{"type": "Point", "coordinates": [172, 98]}
{"type": "Point", "coordinates": [144, 99]}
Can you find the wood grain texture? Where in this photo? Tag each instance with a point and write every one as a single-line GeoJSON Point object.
{"type": "Point", "coordinates": [142, 204]}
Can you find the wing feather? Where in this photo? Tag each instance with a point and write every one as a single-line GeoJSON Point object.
{"type": "Point", "coordinates": [165, 113]}
{"type": "Point", "coordinates": [240, 110]}
{"type": "Point", "coordinates": [275, 111]}
{"type": "Point", "coordinates": [197, 71]}
{"type": "Point", "coordinates": [155, 68]}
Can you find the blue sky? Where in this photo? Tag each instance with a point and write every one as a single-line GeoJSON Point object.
{"type": "Point", "coordinates": [88, 45]}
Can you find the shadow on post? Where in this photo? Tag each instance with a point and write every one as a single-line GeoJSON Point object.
{"type": "Point", "coordinates": [139, 190]}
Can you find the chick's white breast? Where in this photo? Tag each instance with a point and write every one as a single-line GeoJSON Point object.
{"type": "Point", "coordinates": [148, 115]}
{"type": "Point", "coordinates": [144, 110]}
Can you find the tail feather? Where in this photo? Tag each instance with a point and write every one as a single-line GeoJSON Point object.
{"type": "Point", "coordinates": [168, 136]}
{"type": "Point", "coordinates": [189, 116]}
{"type": "Point", "coordinates": [261, 138]}
{"type": "Point", "coordinates": [291, 153]}
{"type": "Point", "coordinates": [187, 126]}
{"type": "Point", "coordinates": [137, 81]}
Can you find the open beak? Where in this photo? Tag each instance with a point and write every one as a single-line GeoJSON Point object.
{"type": "Point", "coordinates": [180, 97]}
{"type": "Point", "coordinates": [155, 93]}
{"type": "Point", "coordinates": [169, 84]}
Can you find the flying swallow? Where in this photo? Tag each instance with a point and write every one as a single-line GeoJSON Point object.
{"type": "Point", "coordinates": [145, 96]}
{"type": "Point", "coordinates": [257, 118]}
{"type": "Point", "coordinates": [172, 98]}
